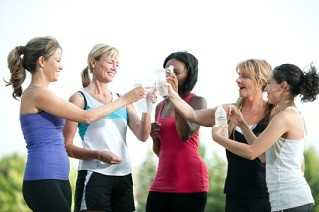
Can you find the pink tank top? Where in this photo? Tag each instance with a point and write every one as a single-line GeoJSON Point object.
{"type": "Point", "coordinates": [180, 168]}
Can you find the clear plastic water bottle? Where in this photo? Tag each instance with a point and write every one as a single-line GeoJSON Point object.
{"type": "Point", "coordinates": [161, 82]}
{"type": "Point", "coordinates": [221, 119]}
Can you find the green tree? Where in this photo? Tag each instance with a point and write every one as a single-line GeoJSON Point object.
{"type": "Point", "coordinates": [11, 176]}
{"type": "Point", "coordinates": [217, 172]}
{"type": "Point", "coordinates": [143, 179]}
{"type": "Point", "coordinates": [312, 174]}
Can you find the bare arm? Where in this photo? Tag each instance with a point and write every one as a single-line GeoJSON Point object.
{"type": "Point", "coordinates": [140, 127]}
{"type": "Point", "coordinates": [276, 128]}
{"type": "Point", "coordinates": [155, 129]}
{"type": "Point", "coordinates": [238, 119]}
{"type": "Point", "coordinates": [184, 127]}
{"type": "Point", "coordinates": [74, 151]}
{"type": "Point", "coordinates": [204, 117]}
{"type": "Point", "coordinates": [49, 102]}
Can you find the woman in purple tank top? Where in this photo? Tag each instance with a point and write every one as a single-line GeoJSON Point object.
{"type": "Point", "coordinates": [46, 186]}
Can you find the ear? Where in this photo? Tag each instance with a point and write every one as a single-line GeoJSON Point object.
{"type": "Point", "coordinates": [284, 85]}
{"type": "Point", "coordinates": [41, 61]}
{"type": "Point", "coordinates": [92, 62]}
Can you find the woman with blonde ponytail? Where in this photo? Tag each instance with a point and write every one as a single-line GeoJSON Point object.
{"type": "Point", "coordinates": [245, 185]}
{"type": "Point", "coordinates": [46, 179]}
{"type": "Point", "coordinates": [104, 181]}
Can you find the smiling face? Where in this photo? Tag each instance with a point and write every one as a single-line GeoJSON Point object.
{"type": "Point", "coordinates": [52, 66]}
{"type": "Point", "coordinates": [105, 68]}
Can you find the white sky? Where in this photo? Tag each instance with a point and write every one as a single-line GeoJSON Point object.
{"type": "Point", "coordinates": [219, 33]}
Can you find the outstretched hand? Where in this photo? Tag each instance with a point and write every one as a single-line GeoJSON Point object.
{"type": "Point", "coordinates": [108, 157]}
{"type": "Point", "coordinates": [134, 95]}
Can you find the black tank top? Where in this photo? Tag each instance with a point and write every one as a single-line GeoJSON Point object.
{"type": "Point", "coordinates": [245, 178]}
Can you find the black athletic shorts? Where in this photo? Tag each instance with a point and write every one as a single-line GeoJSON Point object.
{"type": "Point", "coordinates": [95, 191]}
{"type": "Point", "coordinates": [244, 204]}
{"type": "Point", "coordinates": [47, 195]}
{"type": "Point", "coordinates": [176, 202]}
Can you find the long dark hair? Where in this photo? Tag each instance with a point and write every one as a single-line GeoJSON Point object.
{"type": "Point", "coordinates": [305, 84]}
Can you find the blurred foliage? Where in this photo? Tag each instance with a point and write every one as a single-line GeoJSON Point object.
{"type": "Point", "coordinates": [12, 167]}
{"type": "Point", "coordinates": [312, 174]}
{"type": "Point", "coordinates": [11, 176]}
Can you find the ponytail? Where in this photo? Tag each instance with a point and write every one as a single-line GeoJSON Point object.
{"type": "Point", "coordinates": [85, 77]}
{"type": "Point", "coordinates": [309, 85]}
{"type": "Point", "coordinates": [17, 70]}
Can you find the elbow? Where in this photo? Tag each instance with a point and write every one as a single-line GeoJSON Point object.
{"type": "Point", "coordinates": [251, 155]}
{"type": "Point", "coordinates": [68, 148]}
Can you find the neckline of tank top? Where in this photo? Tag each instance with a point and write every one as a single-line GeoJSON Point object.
{"type": "Point", "coordinates": [95, 99]}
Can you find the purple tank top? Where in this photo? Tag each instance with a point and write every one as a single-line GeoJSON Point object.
{"type": "Point", "coordinates": [47, 157]}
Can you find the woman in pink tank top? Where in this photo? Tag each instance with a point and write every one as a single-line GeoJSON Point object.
{"type": "Point", "coordinates": [181, 181]}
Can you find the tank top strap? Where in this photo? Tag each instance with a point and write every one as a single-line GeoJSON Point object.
{"type": "Point", "coordinates": [188, 97]}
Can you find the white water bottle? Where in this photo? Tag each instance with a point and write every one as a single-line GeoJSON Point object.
{"type": "Point", "coordinates": [161, 82]}
{"type": "Point", "coordinates": [221, 119]}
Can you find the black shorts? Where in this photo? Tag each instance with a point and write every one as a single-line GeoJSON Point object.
{"type": "Point", "coordinates": [47, 195]}
{"type": "Point", "coordinates": [175, 202]}
{"type": "Point", "coordinates": [239, 204]}
{"type": "Point", "coordinates": [95, 191]}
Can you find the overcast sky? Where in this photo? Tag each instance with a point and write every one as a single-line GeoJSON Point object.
{"type": "Point", "coordinates": [219, 33]}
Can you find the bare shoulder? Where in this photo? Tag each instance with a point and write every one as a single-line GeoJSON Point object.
{"type": "Point", "coordinates": [282, 118]}
{"type": "Point", "coordinates": [198, 102]}
{"type": "Point", "coordinates": [78, 99]}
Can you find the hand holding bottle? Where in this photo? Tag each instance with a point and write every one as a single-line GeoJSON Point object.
{"type": "Point", "coordinates": [221, 119]}
{"type": "Point", "coordinates": [134, 95]}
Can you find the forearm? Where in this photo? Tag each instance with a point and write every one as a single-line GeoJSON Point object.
{"type": "Point", "coordinates": [184, 128]}
{"type": "Point", "coordinates": [241, 149]}
{"type": "Point", "coordinates": [248, 133]}
{"type": "Point", "coordinates": [81, 153]}
{"type": "Point", "coordinates": [183, 108]}
{"type": "Point", "coordinates": [99, 112]}
{"type": "Point", "coordinates": [156, 146]}
{"type": "Point", "coordinates": [144, 127]}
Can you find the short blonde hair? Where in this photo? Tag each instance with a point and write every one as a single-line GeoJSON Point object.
{"type": "Point", "coordinates": [258, 70]}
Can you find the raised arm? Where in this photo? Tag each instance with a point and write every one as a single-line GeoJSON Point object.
{"type": "Point", "coordinates": [74, 151]}
{"type": "Point", "coordinates": [238, 119]}
{"type": "Point", "coordinates": [277, 127]}
{"type": "Point", "coordinates": [49, 102]}
{"type": "Point", "coordinates": [184, 127]}
{"type": "Point", "coordinates": [141, 127]}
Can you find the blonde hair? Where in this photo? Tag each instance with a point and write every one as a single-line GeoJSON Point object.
{"type": "Point", "coordinates": [258, 70]}
{"type": "Point", "coordinates": [95, 54]}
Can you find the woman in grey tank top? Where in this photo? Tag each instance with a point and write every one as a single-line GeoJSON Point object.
{"type": "Point", "coordinates": [282, 140]}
